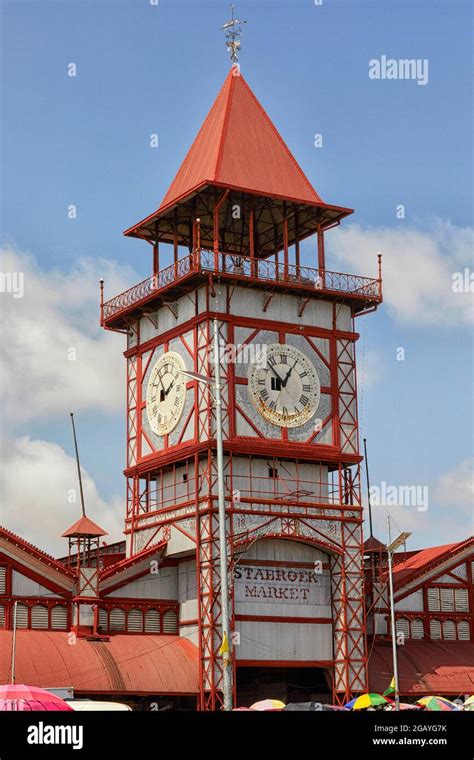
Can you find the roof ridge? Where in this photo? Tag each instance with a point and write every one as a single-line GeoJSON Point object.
{"type": "Point", "coordinates": [225, 123]}
{"type": "Point", "coordinates": [42, 554]}
{"type": "Point", "coordinates": [281, 140]}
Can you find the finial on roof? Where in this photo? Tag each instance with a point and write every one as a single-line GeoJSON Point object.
{"type": "Point", "coordinates": [233, 35]}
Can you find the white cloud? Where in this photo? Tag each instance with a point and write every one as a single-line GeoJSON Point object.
{"type": "Point", "coordinates": [417, 268]}
{"type": "Point", "coordinates": [456, 488]}
{"type": "Point", "coordinates": [58, 317]}
{"type": "Point", "coordinates": [37, 505]}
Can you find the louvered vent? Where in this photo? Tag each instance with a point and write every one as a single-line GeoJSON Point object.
{"type": "Point", "coordinates": [102, 619]}
{"type": "Point", "coordinates": [39, 616]}
{"type": "Point", "coordinates": [135, 621]}
{"type": "Point", "coordinates": [433, 599]}
{"type": "Point", "coordinates": [417, 630]}
{"type": "Point", "coordinates": [59, 617]}
{"type": "Point", "coordinates": [464, 630]}
{"type": "Point", "coordinates": [449, 630]}
{"type": "Point", "coordinates": [447, 600]}
{"type": "Point", "coordinates": [170, 622]}
{"type": "Point", "coordinates": [21, 615]}
{"type": "Point", "coordinates": [117, 620]}
{"type": "Point", "coordinates": [435, 629]}
{"type": "Point", "coordinates": [3, 580]}
{"type": "Point", "coordinates": [402, 627]}
{"type": "Point", "coordinates": [2, 616]}
{"type": "Point", "coordinates": [461, 600]}
{"type": "Point", "coordinates": [152, 621]}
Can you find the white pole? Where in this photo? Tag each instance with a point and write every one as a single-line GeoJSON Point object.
{"type": "Point", "coordinates": [227, 667]}
{"type": "Point", "coordinates": [12, 672]}
{"type": "Point", "coordinates": [392, 621]}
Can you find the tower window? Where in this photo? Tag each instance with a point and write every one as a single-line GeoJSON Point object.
{"type": "Point", "coordinates": [272, 472]}
{"type": "Point", "coordinates": [185, 477]}
{"type": "Point", "coordinates": [275, 384]}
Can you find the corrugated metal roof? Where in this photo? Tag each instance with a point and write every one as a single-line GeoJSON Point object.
{"type": "Point", "coordinates": [33, 551]}
{"type": "Point", "coordinates": [416, 562]}
{"type": "Point", "coordinates": [425, 667]}
{"type": "Point", "coordinates": [238, 145]}
{"type": "Point", "coordinates": [125, 664]}
{"type": "Point", "coordinates": [84, 527]}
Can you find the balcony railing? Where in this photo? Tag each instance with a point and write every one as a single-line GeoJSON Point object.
{"type": "Point", "coordinates": [258, 270]}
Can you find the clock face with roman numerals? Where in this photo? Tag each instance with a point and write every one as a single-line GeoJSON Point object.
{"type": "Point", "coordinates": [284, 387]}
{"type": "Point", "coordinates": [166, 393]}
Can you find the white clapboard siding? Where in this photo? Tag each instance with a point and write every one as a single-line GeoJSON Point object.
{"type": "Point", "coordinates": [39, 616]}
{"type": "Point", "coordinates": [435, 629]}
{"type": "Point", "coordinates": [461, 600]}
{"type": "Point", "coordinates": [281, 641]}
{"type": "Point", "coordinates": [103, 622]}
{"type": "Point", "coordinates": [433, 600]}
{"type": "Point", "coordinates": [416, 628]}
{"type": "Point", "coordinates": [21, 615]}
{"type": "Point", "coordinates": [152, 621]}
{"type": "Point", "coordinates": [447, 600]}
{"type": "Point", "coordinates": [464, 630]}
{"type": "Point", "coordinates": [449, 630]}
{"type": "Point", "coordinates": [117, 619]}
{"type": "Point", "coordinates": [402, 626]}
{"type": "Point", "coordinates": [170, 622]}
{"type": "Point", "coordinates": [3, 580]}
{"type": "Point", "coordinates": [59, 617]}
{"type": "Point", "coordinates": [135, 621]}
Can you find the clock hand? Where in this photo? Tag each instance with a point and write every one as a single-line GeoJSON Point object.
{"type": "Point", "coordinates": [284, 382]}
{"type": "Point", "coordinates": [167, 391]}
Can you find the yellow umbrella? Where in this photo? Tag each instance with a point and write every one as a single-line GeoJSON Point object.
{"type": "Point", "coordinates": [268, 704]}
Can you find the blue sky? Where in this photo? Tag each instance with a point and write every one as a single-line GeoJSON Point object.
{"type": "Point", "coordinates": [145, 69]}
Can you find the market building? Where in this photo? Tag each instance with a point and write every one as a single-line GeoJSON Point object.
{"type": "Point", "coordinates": [142, 619]}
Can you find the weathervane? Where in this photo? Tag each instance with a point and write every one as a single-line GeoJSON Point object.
{"type": "Point", "coordinates": [233, 34]}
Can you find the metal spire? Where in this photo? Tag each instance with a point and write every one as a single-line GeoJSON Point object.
{"type": "Point", "coordinates": [78, 465]}
{"type": "Point", "coordinates": [233, 34]}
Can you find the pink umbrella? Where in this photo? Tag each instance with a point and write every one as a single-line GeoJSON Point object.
{"type": "Point", "coordinates": [15, 697]}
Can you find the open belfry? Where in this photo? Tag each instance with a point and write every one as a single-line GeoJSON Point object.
{"type": "Point", "coordinates": [241, 217]}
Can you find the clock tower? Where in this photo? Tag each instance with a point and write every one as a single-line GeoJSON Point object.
{"type": "Point", "coordinates": [239, 237]}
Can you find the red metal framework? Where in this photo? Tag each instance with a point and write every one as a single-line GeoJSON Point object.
{"type": "Point", "coordinates": [365, 290]}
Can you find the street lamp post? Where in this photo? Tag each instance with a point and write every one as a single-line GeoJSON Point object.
{"type": "Point", "coordinates": [392, 546]}
{"type": "Point", "coordinates": [226, 637]}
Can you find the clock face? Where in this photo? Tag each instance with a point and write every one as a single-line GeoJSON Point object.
{"type": "Point", "coordinates": [285, 387]}
{"type": "Point", "coordinates": [166, 393]}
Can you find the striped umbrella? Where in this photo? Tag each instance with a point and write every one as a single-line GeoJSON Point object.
{"type": "Point", "coordinates": [268, 704]}
{"type": "Point", "coordinates": [469, 703]}
{"type": "Point", "coordinates": [366, 700]}
{"type": "Point", "coordinates": [437, 704]}
{"type": "Point", "coordinates": [18, 697]}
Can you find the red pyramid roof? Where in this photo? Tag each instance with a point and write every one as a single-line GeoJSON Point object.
{"type": "Point", "coordinates": [84, 527]}
{"type": "Point", "coordinates": [239, 146]}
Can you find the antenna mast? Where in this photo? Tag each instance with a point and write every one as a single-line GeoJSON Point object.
{"type": "Point", "coordinates": [78, 466]}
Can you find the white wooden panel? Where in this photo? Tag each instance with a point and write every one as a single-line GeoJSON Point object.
{"type": "Point", "coordinates": [59, 617]}
{"type": "Point", "coordinates": [411, 603]}
{"type": "Point", "coordinates": [190, 632]}
{"type": "Point", "coordinates": [3, 579]}
{"type": "Point", "coordinates": [461, 600]}
{"type": "Point", "coordinates": [2, 616]}
{"type": "Point", "coordinates": [464, 630]}
{"type": "Point", "coordinates": [21, 615]}
{"type": "Point", "coordinates": [24, 586]}
{"type": "Point", "coordinates": [435, 629]}
{"type": "Point", "coordinates": [39, 616]}
{"type": "Point", "coordinates": [449, 630]}
{"type": "Point", "coordinates": [283, 641]}
{"type": "Point", "coordinates": [161, 585]}
{"type": "Point", "coordinates": [135, 621]}
{"type": "Point", "coordinates": [152, 621]}
{"type": "Point", "coordinates": [117, 619]}
{"type": "Point", "coordinates": [433, 600]}
{"type": "Point", "coordinates": [416, 629]}
{"type": "Point", "coordinates": [447, 599]}
{"type": "Point", "coordinates": [402, 626]}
